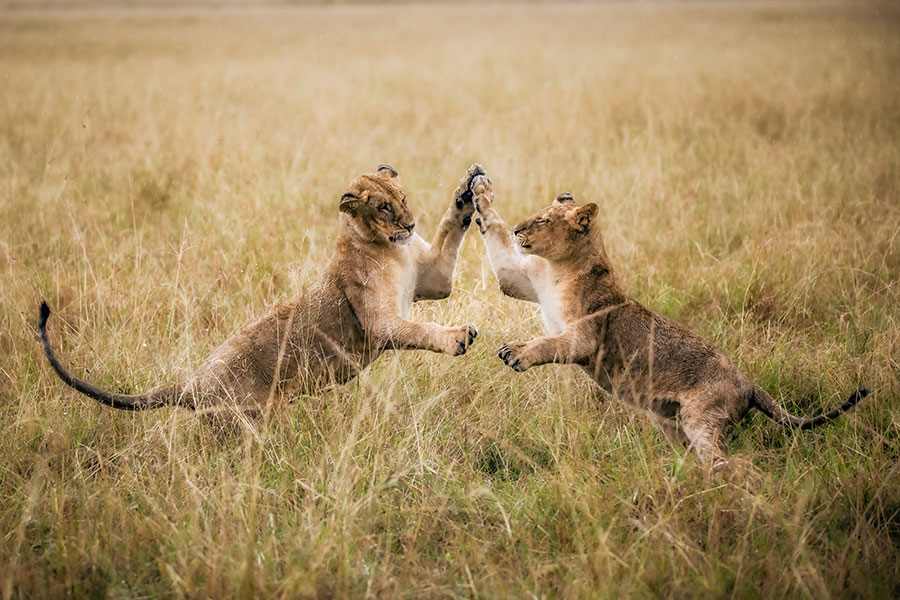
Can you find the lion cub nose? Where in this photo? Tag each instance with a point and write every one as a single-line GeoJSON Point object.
{"type": "Point", "coordinates": [410, 226]}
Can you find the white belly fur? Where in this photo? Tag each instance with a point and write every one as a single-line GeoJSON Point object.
{"type": "Point", "coordinates": [550, 311]}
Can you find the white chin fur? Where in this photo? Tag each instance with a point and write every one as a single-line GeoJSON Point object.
{"type": "Point", "coordinates": [403, 241]}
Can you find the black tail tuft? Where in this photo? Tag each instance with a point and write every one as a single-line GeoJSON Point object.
{"type": "Point", "coordinates": [45, 314]}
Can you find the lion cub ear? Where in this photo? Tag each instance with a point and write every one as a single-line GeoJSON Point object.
{"type": "Point", "coordinates": [584, 216]}
{"type": "Point", "coordinates": [387, 171]}
{"type": "Point", "coordinates": [349, 203]}
{"type": "Point", "coordinates": [390, 173]}
{"type": "Point", "coordinates": [565, 198]}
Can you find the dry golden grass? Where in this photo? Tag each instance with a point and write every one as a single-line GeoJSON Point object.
{"type": "Point", "coordinates": [166, 176]}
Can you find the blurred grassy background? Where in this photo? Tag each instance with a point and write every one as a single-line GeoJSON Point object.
{"type": "Point", "coordinates": [167, 174]}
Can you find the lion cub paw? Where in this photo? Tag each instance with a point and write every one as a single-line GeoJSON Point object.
{"type": "Point", "coordinates": [513, 356]}
{"type": "Point", "coordinates": [474, 171]}
{"type": "Point", "coordinates": [481, 184]}
{"type": "Point", "coordinates": [483, 193]}
{"type": "Point", "coordinates": [462, 197]}
{"type": "Point", "coordinates": [460, 339]}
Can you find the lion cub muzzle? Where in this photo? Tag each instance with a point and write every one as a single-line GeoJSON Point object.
{"type": "Point", "coordinates": [521, 237]}
{"type": "Point", "coordinates": [403, 235]}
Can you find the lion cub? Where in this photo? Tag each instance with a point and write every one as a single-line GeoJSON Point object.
{"type": "Point", "coordinates": [334, 329]}
{"type": "Point", "coordinates": [694, 393]}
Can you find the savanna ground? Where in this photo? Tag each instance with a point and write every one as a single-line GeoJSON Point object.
{"type": "Point", "coordinates": [167, 175]}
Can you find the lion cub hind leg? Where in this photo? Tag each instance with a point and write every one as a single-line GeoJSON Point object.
{"type": "Point", "coordinates": [705, 426]}
{"type": "Point", "coordinates": [670, 429]}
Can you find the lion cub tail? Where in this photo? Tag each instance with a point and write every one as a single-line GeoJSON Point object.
{"type": "Point", "coordinates": [155, 399]}
{"type": "Point", "coordinates": [764, 402]}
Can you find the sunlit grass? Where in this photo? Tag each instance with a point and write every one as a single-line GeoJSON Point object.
{"type": "Point", "coordinates": [165, 177]}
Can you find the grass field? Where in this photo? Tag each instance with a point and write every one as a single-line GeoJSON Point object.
{"type": "Point", "coordinates": [167, 175]}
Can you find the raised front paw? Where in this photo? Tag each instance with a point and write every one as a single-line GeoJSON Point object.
{"type": "Point", "coordinates": [513, 356]}
{"type": "Point", "coordinates": [462, 197]}
{"type": "Point", "coordinates": [482, 192]}
{"type": "Point", "coordinates": [460, 338]}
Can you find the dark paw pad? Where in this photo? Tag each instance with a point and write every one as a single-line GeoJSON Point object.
{"type": "Point", "coordinates": [463, 199]}
{"type": "Point", "coordinates": [510, 358]}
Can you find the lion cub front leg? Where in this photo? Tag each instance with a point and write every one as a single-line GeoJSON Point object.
{"type": "Point", "coordinates": [401, 334]}
{"type": "Point", "coordinates": [521, 356]}
{"type": "Point", "coordinates": [573, 345]}
{"type": "Point", "coordinates": [437, 262]}
{"type": "Point", "coordinates": [515, 273]}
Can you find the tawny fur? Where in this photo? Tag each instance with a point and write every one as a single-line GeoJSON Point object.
{"type": "Point", "coordinates": [556, 258]}
{"type": "Point", "coordinates": [334, 329]}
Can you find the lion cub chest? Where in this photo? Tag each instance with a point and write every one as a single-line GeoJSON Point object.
{"type": "Point", "coordinates": [549, 296]}
{"type": "Point", "coordinates": [402, 277]}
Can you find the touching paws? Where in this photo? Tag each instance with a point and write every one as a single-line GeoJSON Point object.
{"type": "Point", "coordinates": [513, 355]}
{"type": "Point", "coordinates": [463, 192]}
{"type": "Point", "coordinates": [461, 338]}
{"type": "Point", "coordinates": [474, 171]}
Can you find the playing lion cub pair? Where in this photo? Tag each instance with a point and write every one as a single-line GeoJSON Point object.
{"type": "Point", "coordinates": [556, 258]}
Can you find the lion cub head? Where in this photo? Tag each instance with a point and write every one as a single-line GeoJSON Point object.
{"type": "Point", "coordinates": [377, 208]}
{"type": "Point", "coordinates": [558, 232]}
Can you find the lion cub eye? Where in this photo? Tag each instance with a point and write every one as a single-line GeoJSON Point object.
{"type": "Point", "coordinates": [541, 222]}
{"type": "Point", "coordinates": [386, 209]}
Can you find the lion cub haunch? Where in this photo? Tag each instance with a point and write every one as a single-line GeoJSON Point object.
{"type": "Point", "coordinates": [557, 258]}
{"type": "Point", "coordinates": [331, 331]}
